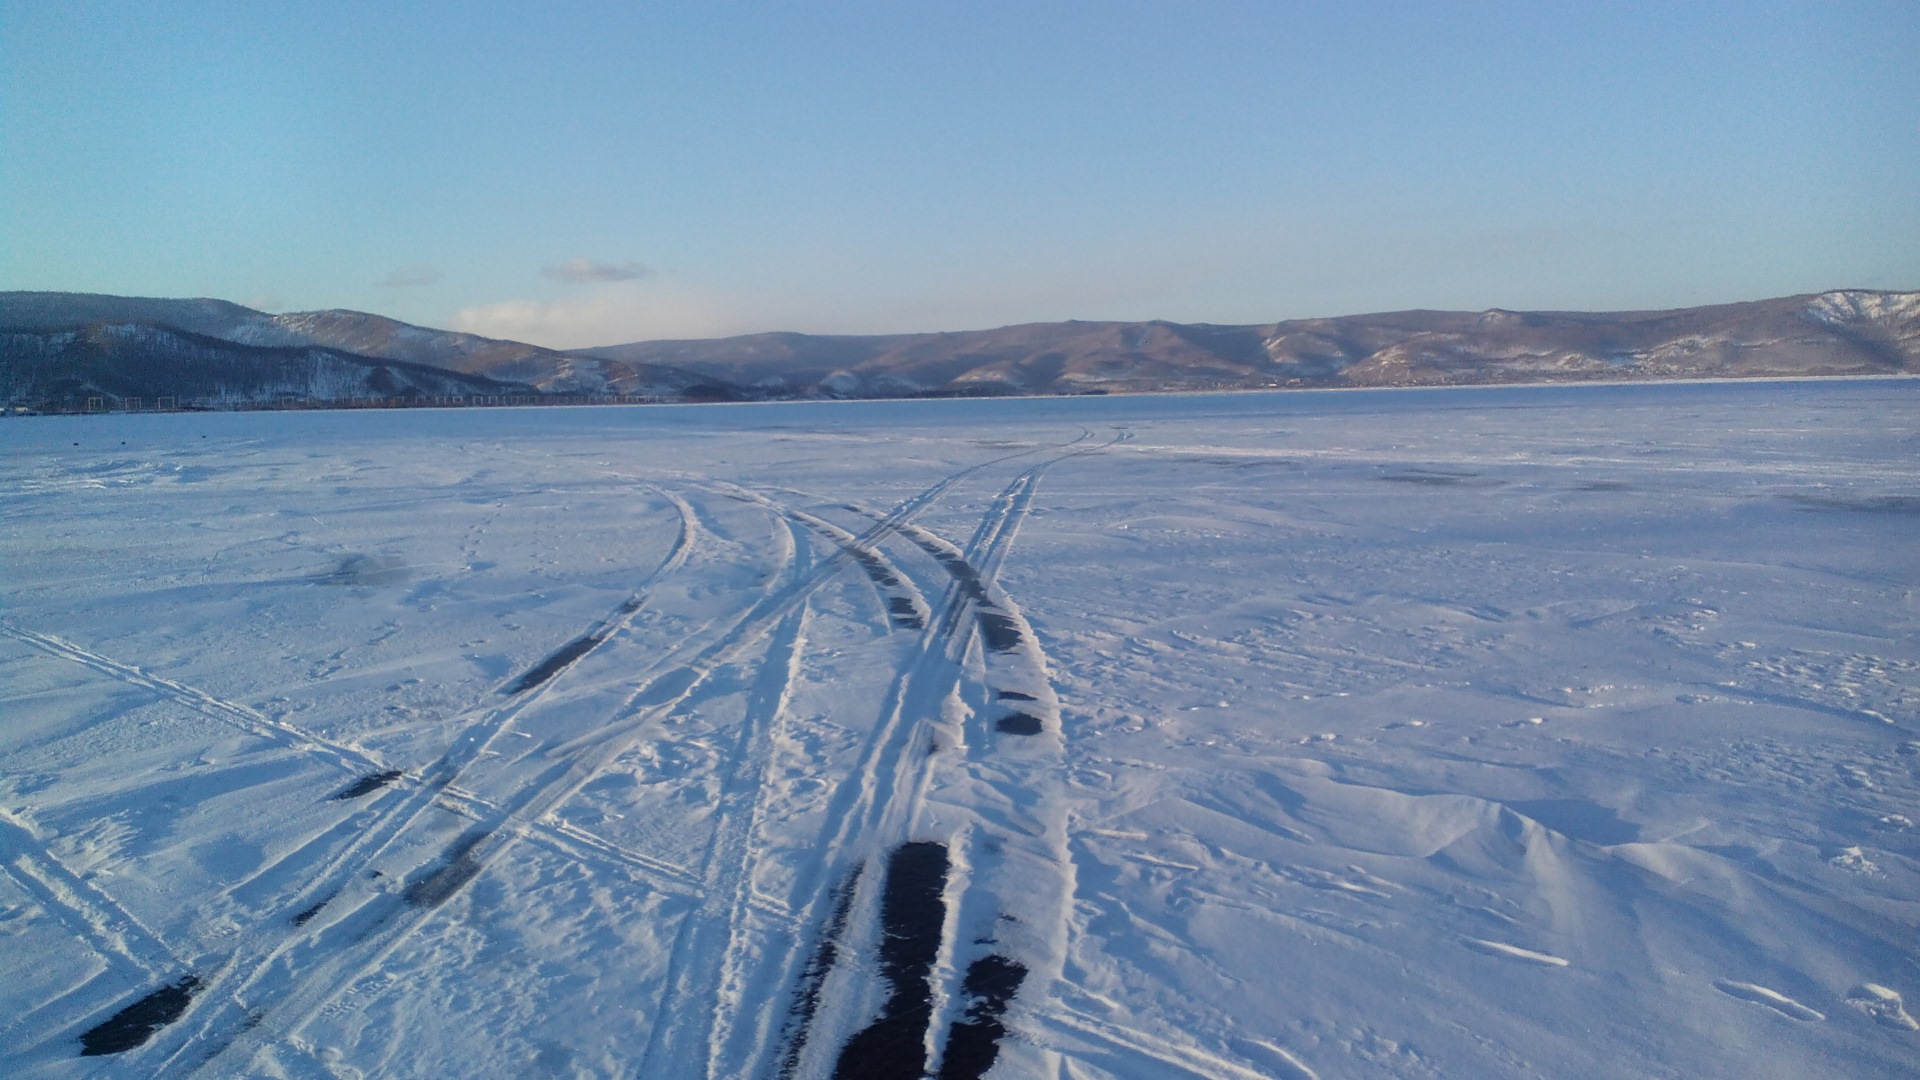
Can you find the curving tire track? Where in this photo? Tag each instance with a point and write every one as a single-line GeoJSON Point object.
{"type": "Point", "coordinates": [901, 603]}
{"type": "Point", "coordinates": [883, 806]}
{"type": "Point", "coordinates": [706, 971]}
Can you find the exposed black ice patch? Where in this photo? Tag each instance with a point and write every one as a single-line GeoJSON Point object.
{"type": "Point", "coordinates": [913, 912]}
{"type": "Point", "coordinates": [904, 613]}
{"type": "Point", "coordinates": [1001, 632]}
{"type": "Point", "coordinates": [548, 668]}
{"type": "Point", "coordinates": [1871, 504]}
{"type": "Point", "coordinates": [806, 1000]}
{"type": "Point", "coordinates": [1429, 479]}
{"type": "Point", "coordinates": [136, 1023]}
{"type": "Point", "coordinates": [367, 570]}
{"type": "Point", "coordinates": [973, 1042]}
{"type": "Point", "coordinates": [457, 868]}
{"type": "Point", "coordinates": [1020, 724]}
{"type": "Point", "coordinates": [876, 569]}
{"type": "Point", "coordinates": [306, 916]}
{"type": "Point", "coordinates": [368, 784]}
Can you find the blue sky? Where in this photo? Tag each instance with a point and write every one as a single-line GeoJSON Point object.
{"type": "Point", "coordinates": [584, 173]}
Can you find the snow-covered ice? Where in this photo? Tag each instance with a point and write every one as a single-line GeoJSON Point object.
{"type": "Point", "coordinates": [1492, 733]}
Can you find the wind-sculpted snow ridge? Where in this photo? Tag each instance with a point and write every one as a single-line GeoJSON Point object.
{"type": "Point", "coordinates": [1466, 733]}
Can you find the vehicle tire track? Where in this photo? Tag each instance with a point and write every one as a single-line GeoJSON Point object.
{"type": "Point", "coordinates": [705, 968]}
{"type": "Point", "coordinates": [372, 837]}
{"type": "Point", "coordinates": [887, 791]}
{"type": "Point", "coordinates": [696, 986]}
{"type": "Point", "coordinates": [878, 780]}
{"type": "Point", "coordinates": [980, 979]}
{"type": "Point", "coordinates": [390, 918]}
{"type": "Point", "coordinates": [579, 762]}
{"type": "Point", "coordinates": [466, 860]}
{"type": "Point", "coordinates": [1013, 897]}
{"type": "Point", "coordinates": [901, 602]}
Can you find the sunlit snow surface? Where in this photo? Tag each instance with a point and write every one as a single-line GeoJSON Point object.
{"type": "Point", "coordinates": [1478, 733]}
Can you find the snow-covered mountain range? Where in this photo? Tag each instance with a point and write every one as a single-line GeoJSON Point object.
{"type": "Point", "coordinates": [60, 347]}
{"type": "Point", "coordinates": [132, 363]}
{"type": "Point", "coordinates": [1847, 332]}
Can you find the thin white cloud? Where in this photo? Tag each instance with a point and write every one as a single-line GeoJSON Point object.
{"type": "Point", "coordinates": [591, 271]}
{"type": "Point", "coordinates": [413, 276]}
{"type": "Point", "coordinates": [607, 315]}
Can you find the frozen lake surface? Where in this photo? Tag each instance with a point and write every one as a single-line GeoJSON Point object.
{"type": "Point", "coordinates": [1470, 733]}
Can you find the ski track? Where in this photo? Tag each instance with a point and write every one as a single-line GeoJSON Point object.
{"type": "Point", "coordinates": [566, 839]}
{"type": "Point", "coordinates": [586, 848]}
{"type": "Point", "coordinates": [346, 758]}
{"type": "Point", "coordinates": [249, 1027]}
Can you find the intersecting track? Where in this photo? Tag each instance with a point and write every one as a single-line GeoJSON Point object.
{"type": "Point", "coordinates": [334, 925]}
{"type": "Point", "coordinates": [710, 972]}
{"type": "Point", "coordinates": [226, 712]}
{"type": "Point", "coordinates": [305, 880]}
{"type": "Point", "coordinates": [1008, 869]}
{"type": "Point", "coordinates": [277, 960]}
{"type": "Point", "coordinates": [135, 959]}
{"type": "Point", "coordinates": [714, 1017]}
{"type": "Point", "coordinates": [344, 926]}
{"type": "Point", "coordinates": [130, 954]}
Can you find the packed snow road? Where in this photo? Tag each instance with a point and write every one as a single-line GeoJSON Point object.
{"type": "Point", "coordinates": [1420, 733]}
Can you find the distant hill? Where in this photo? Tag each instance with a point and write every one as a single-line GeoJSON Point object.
{"type": "Point", "coordinates": [159, 347]}
{"type": "Point", "coordinates": [124, 362]}
{"type": "Point", "coordinates": [1849, 332]}
{"type": "Point", "coordinates": [360, 334]}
